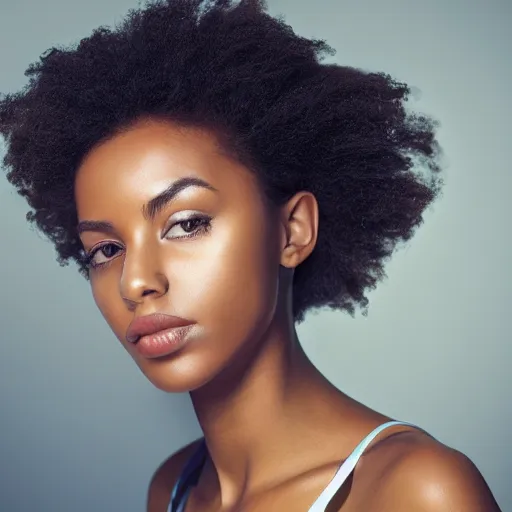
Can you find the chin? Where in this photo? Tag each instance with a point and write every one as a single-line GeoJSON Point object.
{"type": "Point", "coordinates": [174, 385]}
{"type": "Point", "coordinates": [173, 377]}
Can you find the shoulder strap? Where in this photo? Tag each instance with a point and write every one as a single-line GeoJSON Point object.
{"type": "Point", "coordinates": [187, 479]}
{"type": "Point", "coordinates": [348, 466]}
{"type": "Point", "coordinates": [192, 470]}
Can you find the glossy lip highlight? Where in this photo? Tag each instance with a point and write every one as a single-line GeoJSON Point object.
{"type": "Point", "coordinates": [153, 324]}
{"type": "Point", "coordinates": [163, 343]}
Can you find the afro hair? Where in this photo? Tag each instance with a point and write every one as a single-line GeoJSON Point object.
{"type": "Point", "coordinates": [296, 122]}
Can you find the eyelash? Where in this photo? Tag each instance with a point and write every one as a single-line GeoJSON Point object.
{"type": "Point", "coordinates": [204, 226]}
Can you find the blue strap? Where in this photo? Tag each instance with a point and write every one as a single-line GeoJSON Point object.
{"type": "Point", "coordinates": [348, 466]}
{"type": "Point", "coordinates": [188, 478]}
{"type": "Point", "coordinates": [193, 468]}
{"type": "Point", "coordinates": [183, 501]}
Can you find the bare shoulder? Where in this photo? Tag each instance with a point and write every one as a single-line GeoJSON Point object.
{"type": "Point", "coordinates": [419, 473]}
{"type": "Point", "coordinates": [164, 478]}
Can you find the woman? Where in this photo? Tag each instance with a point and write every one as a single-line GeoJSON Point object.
{"type": "Point", "coordinates": [214, 181]}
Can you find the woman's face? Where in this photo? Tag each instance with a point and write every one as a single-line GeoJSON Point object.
{"type": "Point", "coordinates": [207, 252]}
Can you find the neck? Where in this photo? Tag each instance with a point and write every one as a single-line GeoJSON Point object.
{"type": "Point", "coordinates": [254, 418]}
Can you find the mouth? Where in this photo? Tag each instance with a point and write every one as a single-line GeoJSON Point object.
{"type": "Point", "coordinates": [163, 343]}
{"type": "Point", "coordinates": [158, 335]}
{"type": "Point", "coordinates": [153, 324]}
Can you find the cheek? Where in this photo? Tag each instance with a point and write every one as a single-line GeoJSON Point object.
{"type": "Point", "coordinates": [231, 282]}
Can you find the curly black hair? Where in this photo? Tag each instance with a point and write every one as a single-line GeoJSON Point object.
{"type": "Point", "coordinates": [298, 123]}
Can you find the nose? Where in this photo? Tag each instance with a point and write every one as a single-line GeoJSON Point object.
{"type": "Point", "coordinates": [142, 277]}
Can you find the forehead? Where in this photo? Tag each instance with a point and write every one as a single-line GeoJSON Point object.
{"type": "Point", "coordinates": [139, 163]}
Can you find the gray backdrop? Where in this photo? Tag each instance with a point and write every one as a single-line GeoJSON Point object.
{"type": "Point", "coordinates": [82, 430]}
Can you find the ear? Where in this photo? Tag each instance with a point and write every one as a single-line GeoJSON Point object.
{"type": "Point", "coordinates": [300, 229]}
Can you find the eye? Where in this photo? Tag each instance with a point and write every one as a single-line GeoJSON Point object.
{"type": "Point", "coordinates": [194, 225]}
{"type": "Point", "coordinates": [102, 254]}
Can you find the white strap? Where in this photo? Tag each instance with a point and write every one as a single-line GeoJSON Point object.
{"type": "Point", "coordinates": [348, 466]}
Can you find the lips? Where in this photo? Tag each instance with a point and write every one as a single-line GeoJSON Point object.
{"type": "Point", "coordinates": [152, 324]}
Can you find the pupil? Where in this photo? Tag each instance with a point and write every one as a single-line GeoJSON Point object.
{"type": "Point", "coordinates": [109, 250]}
{"type": "Point", "coordinates": [189, 225]}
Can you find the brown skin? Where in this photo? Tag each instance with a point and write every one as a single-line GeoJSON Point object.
{"type": "Point", "coordinates": [276, 429]}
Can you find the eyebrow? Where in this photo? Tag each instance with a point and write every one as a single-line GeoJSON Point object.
{"type": "Point", "coordinates": [152, 207]}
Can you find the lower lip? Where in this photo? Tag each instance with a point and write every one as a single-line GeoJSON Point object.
{"type": "Point", "coordinates": [163, 343]}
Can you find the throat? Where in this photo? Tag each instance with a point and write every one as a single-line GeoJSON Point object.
{"type": "Point", "coordinates": [262, 428]}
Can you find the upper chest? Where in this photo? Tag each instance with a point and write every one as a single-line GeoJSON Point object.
{"type": "Point", "coordinates": [357, 488]}
{"type": "Point", "coordinates": [355, 494]}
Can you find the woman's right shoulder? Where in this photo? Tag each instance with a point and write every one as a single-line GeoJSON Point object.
{"type": "Point", "coordinates": [164, 478]}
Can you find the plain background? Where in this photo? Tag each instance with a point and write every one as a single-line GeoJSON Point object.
{"type": "Point", "coordinates": [80, 427]}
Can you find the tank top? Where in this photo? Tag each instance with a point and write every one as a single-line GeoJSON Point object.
{"type": "Point", "coordinates": [190, 474]}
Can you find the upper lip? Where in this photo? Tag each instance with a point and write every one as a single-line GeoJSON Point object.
{"type": "Point", "coordinates": [151, 324]}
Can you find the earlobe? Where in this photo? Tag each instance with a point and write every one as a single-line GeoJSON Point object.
{"type": "Point", "coordinates": [300, 229]}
